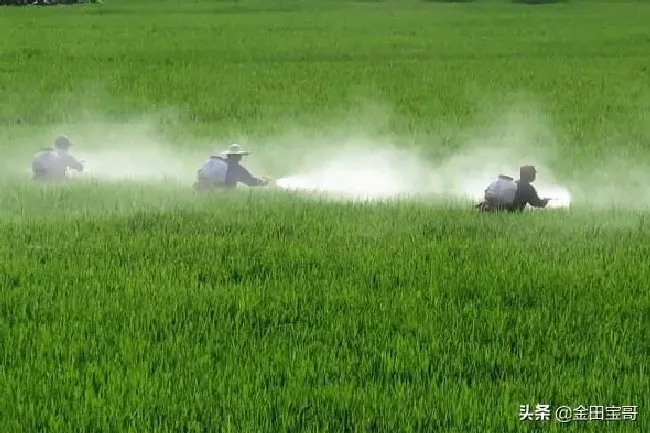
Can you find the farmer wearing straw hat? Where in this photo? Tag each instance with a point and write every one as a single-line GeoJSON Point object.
{"type": "Point", "coordinates": [509, 195]}
{"type": "Point", "coordinates": [225, 171]}
{"type": "Point", "coordinates": [52, 163]}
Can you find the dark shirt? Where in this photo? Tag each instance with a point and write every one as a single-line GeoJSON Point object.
{"type": "Point", "coordinates": [526, 194]}
{"type": "Point", "coordinates": [238, 173]}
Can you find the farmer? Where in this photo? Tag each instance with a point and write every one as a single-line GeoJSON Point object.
{"type": "Point", "coordinates": [512, 196]}
{"type": "Point", "coordinates": [52, 163]}
{"type": "Point", "coordinates": [225, 171]}
{"type": "Point", "coordinates": [526, 193]}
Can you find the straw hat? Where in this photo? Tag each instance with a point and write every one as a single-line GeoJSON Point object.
{"type": "Point", "coordinates": [235, 149]}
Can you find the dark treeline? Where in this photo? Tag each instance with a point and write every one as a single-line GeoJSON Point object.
{"type": "Point", "coordinates": [43, 2]}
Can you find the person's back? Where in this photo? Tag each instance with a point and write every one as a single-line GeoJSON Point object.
{"type": "Point", "coordinates": [48, 165]}
{"type": "Point", "coordinates": [500, 194]}
{"type": "Point", "coordinates": [212, 174]}
{"type": "Point", "coordinates": [214, 169]}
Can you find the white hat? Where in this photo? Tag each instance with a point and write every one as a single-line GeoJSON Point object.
{"type": "Point", "coordinates": [235, 149]}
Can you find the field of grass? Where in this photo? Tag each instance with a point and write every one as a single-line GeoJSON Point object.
{"type": "Point", "coordinates": [140, 307]}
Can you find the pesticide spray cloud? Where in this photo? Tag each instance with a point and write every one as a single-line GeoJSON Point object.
{"type": "Point", "coordinates": [356, 158]}
{"type": "Point", "coordinates": [367, 168]}
{"type": "Point", "coordinates": [388, 173]}
{"type": "Point", "coordinates": [341, 165]}
{"type": "Point", "coordinates": [362, 169]}
{"type": "Point", "coordinates": [132, 152]}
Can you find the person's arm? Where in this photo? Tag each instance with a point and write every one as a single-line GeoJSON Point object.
{"type": "Point", "coordinates": [533, 199]}
{"type": "Point", "coordinates": [74, 164]}
{"type": "Point", "coordinates": [245, 177]}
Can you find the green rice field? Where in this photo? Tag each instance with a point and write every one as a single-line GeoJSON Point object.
{"type": "Point", "coordinates": [127, 303]}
